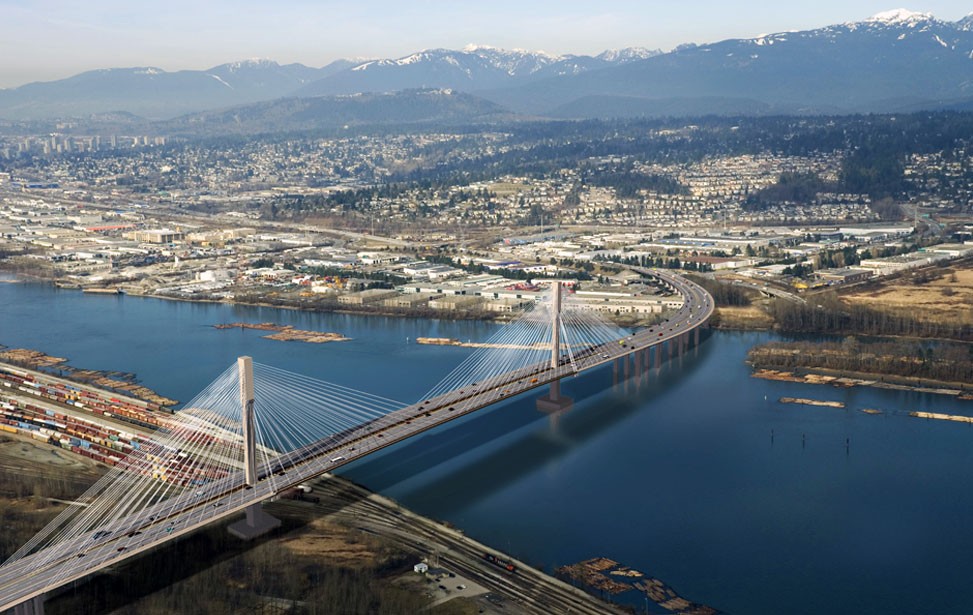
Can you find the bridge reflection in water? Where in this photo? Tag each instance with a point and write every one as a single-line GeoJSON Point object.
{"type": "Point", "coordinates": [257, 431]}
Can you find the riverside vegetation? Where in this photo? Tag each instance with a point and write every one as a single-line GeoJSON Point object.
{"type": "Point", "coordinates": [942, 362]}
{"type": "Point", "coordinates": [828, 314]}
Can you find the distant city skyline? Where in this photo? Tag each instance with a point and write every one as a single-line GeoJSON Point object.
{"type": "Point", "coordinates": [53, 39]}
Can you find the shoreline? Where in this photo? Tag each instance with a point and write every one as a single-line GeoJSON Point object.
{"type": "Point", "coordinates": [319, 310]}
{"type": "Point", "coordinates": [501, 318]}
{"type": "Point", "coordinates": [836, 378]}
{"type": "Point", "coordinates": [451, 316]}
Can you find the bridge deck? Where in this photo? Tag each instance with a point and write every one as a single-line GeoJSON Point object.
{"type": "Point", "coordinates": [45, 570]}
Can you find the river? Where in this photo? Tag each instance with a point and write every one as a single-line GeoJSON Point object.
{"type": "Point", "coordinates": [680, 479]}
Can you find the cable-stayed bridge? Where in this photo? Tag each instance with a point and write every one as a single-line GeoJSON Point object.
{"type": "Point", "coordinates": [257, 431]}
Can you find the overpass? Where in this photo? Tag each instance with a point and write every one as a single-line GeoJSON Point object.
{"type": "Point", "coordinates": [130, 512]}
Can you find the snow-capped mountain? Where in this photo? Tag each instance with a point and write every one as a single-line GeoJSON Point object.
{"type": "Point", "coordinates": [966, 23]}
{"type": "Point", "coordinates": [629, 54]}
{"type": "Point", "coordinates": [893, 60]}
{"type": "Point", "coordinates": [475, 67]}
{"type": "Point", "coordinates": [899, 17]}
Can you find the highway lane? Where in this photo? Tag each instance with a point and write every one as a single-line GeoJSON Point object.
{"type": "Point", "coordinates": [185, 513]}
{"type": "Point", "coordinates": [397, 430]}
{"type": "Point", "coordinates": [124, 537]}
{"type": "Point", "coordinates": [769, 290]}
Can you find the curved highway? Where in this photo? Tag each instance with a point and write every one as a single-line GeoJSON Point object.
{"type": "Point", "coordinates": [119, 539]}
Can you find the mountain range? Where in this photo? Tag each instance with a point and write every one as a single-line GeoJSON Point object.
{"type": "Point", "coordinates": [894, 61]}
{"type": "Point", "coordinates": [157, 94]}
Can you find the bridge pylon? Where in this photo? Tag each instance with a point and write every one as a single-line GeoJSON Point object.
{"type": "Point", "coordinates": [554, 402]}
{"type": "Point", "coordinates": [257, 522]}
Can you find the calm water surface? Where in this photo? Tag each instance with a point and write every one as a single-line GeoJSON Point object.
{"type": "Point", "coordinates": [679, 479]}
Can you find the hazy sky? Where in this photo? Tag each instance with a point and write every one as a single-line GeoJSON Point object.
{"type": "Point", "coordinates": [42, 40]}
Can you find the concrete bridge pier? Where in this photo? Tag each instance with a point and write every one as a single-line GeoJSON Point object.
{"type": "Point", "coordinates": [34, 606]}
{"type": "Point", "coordinates": [554, 402]}
{"type": "Point", "coordinates": [696, 336]}
{"type": "Point", "coordinates": [615, 373]}
{"type": "Point", "coordinates": [257, 522]}
{"type": "Point", "coordinates": [657, 351]}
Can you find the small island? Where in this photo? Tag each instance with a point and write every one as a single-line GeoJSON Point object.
{"type": "Point", "coordinates": [287, 333]}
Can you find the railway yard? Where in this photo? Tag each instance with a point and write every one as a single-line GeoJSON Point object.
{"type": "Point", "coordinates": [57, 429]}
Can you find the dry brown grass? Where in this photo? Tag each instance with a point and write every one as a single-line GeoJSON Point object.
{"type": "Point", "coordinates": [335, 543]}
{"type": "Point", "coordinates": [939, 299]}
{"type": "Point", "coordinates": [749, 317]}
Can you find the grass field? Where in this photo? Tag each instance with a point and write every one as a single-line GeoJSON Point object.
{"type": "Point", "coordinates": [944, 294]}
{"type": "Point", "coordinates": [749, 317]}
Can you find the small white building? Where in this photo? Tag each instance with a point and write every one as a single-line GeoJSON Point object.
{"type": "Point", "coordinates": [421, 568]}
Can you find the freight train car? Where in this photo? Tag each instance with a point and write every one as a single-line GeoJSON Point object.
{"type": "Point", "coordinates": [500, 562]}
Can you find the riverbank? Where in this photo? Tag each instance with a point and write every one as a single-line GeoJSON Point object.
{"type": "Point", "coordinates": [121, 384]}
{"type": "Point", "coordinates": [851, 379]}
{"type": "Point", "coordinates": [342, 528]}
{"type": "Point", "coordinates": [540, 491]}
{"type": "Point", "coordinates": [452, 315]}
{"type": "Point", "coordinates": [620, 320]}
{"type": "Point", "coordinates": [947, 366]}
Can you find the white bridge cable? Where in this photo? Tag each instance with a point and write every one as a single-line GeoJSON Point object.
{"type": "Point", "coordinates": [166, 494]}
{"type": "Point", "coordinates": [299, 410]}
{"type": "Point", "coordinates": [527, 341]}
{"type": "Point", "coordinates": [132, 480]}
{"type": "Point", "coordinates": [199, 451]}
{"type": "Point", "coordinates": [148, 490]}
{"type": "Point", "coordinates": [524, 341]}
{"type": "Point", "coordinates": [198, 455]}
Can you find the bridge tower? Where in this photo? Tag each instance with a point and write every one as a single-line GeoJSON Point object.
{"type": "Point", "coordinates": [257, 521]}
{"type": "Point", "coordinates": [554, 403]}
